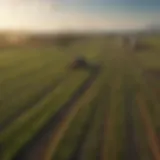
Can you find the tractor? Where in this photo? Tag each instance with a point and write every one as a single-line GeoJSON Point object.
{"type": "Point", "coordinates": [79, 63]}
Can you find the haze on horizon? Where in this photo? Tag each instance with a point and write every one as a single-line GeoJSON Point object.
{"type": "Point", "coordinates": [81, 15]}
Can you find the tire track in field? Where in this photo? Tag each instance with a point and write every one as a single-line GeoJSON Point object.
{"type": "Point", "coordinates": [150, 132]}
{"type": "Point", "coordinates": [144, 81]}
{"type": "Point", "coordinates": [78, 153]}
{"type": "Point", "coordinates": [63, 126]}
{"type": "Point", "coordinates": [142, 107]}
{"type": "Point", "coordinates": [83, 137]}
{"type": "Point", "coordinates": [141, 100]}
{"type": "Point", "coordinates": [109, 124]}
{"type": "Point", "coordinates": [131, 145]}
{"type": "Point", "coordinates": [27, 152]}
{"type": "Point", "coordinates": [103, 125]}
{"type": "Point", "coordinates": [47, 90]}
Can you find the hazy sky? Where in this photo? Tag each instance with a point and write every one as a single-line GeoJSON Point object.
{"type": "Point", "coordinates": [78, 14]}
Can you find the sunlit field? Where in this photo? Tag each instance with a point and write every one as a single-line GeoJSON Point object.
{"type": "Point", "coordinates": [109, 110]}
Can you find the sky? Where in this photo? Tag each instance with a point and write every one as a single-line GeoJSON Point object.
{"type": "Point", "coordinates": [81, 15]}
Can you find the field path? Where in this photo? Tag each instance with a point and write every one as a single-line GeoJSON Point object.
{"type": "Point", "coordinates": [39, 142]}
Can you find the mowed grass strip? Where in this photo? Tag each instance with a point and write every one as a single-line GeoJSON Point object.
{"type": "Point", "coordinates": [71, 128]}
{"type": "Point", "coordinates": [140, 134]}
{"type": "Point", "coordinates": [92, 145]}
{"type": "Point", "coordinates": [26, 126]}
{"type": "Point", "coordinates": [150, 130]}
{"type": "Point", "coordinates": [29, 102]}
{"type": "Point", "coordinates": [152, 101]}
{"type": "Point", "coordinates": [66, 148]}
{"type": "Point", "coordinates": [145, 108]}
{"type": "Point", "coordinates": [25, 97]}
{"type": "Point", "coordinates": [120, 134]}
{"type": "Point", "coordinates": [111, 145]}
{"type": "Point", "coordinates": [92, 148]}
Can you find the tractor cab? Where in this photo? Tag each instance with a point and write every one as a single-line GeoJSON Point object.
{"type": "Point", "coordinates": [79, 63]}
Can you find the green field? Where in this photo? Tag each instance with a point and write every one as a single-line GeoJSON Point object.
{"type": "Point", "coordinates": [49, 111]}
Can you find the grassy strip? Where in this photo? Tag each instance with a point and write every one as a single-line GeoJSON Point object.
{"type": "Point", "coordinates": [65, 125]}
{"type": "Point", "coordinates": [61, 149]}
{"type": "Point", "coordinates": [118, 118]}
{"type": "Point", "coordinates": [141, 139]}
{"type": "Point", "coordinates": [110, 143]}
{"type": "Point", "coordinates": [57, 93]}
{"type": "Point", "coordinates": [120, 129]}
{"type": "Point", "coordinates": [140, 85]}
{"type": "Point", "coordinates": [25, 95]}
{"type": "Point", "coordinates": [152, 102]}
{"type": "Point", "coordinates": [92, 147]}
{"type": "Point", "coordinates": [74, 132]}
{"type": "Point", "coordinates": [151, 135]}
{"type": "Point", "coordinates": [70, 141]}
{"type": "Point", "coordinates": [26, 126]}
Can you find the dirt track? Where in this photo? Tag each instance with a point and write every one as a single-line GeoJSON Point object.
{"type": "Point", "coordinates": [40, 140]}
{"type": "Point", "coordinates": [33, 102]}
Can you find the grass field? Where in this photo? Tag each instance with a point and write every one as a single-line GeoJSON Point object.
{"type": "Point", "coordinates": [51, 112]}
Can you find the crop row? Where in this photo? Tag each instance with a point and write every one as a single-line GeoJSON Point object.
{"type": "Point", "coordinates": [83, 129]}
{"type": "Point", "coordinates": [28, 124]}
{"type": "Point", "coordinates": [145, 116]}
